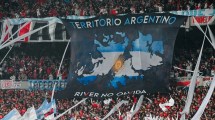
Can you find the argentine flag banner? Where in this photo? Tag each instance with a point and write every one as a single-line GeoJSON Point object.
{"type": "Point", "coordinates": [39, 111]}
{"type": "Point", "coordinates": [119, 55]}
{"type": "Point", "coordinates": [12, 115]}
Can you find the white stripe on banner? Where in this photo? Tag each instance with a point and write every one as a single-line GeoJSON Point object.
{"type": "Point", "coordinates": [205, 101]}
{"type": "Point", "coordinates": [5, 22]}
{"type": "Point", "coordinates": [192, 84]}
{"type": "Point", "coordinates": [7, 27]}
{"type": "Point", "coordinates": [52, 30]}
{"type": "Point", "coordinates": [69, 109]}
{"type": "Point", "coordinates": [115, 108]}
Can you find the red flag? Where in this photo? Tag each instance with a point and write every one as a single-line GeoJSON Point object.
{"type": "Point", "coordinates": [24, 30]}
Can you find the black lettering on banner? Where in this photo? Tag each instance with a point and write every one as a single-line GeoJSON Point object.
{"type": "Point", "coordinates": [45, 33]}
{"type": "Point", "coordinates": [14, 29]}
{"type": "Point", "coordinates": [42, 34]}
{"type": "Point", "coordinates": [59, 31]}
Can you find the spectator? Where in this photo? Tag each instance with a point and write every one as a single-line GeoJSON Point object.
{"type": "Point", "coordinates": [60, 8]}
{"type": "Point", "coordinates": [93, 108]}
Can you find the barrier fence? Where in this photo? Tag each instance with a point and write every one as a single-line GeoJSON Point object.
{"type": "Point", "coordinates": [61, 84]}
{"type": "Point", "coordinates": [33, 84]}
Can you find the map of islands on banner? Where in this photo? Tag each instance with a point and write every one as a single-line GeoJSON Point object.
{"type": "Point", "coordinates": [120, 55]}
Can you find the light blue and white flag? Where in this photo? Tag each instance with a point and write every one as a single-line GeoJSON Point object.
{"type": "Point", "coordinates": [39, 112]}
{"type": "Point", "coordinates": [30, 114]}
{"type": "Point", "coordinates": [48, 107]}
{"type": "Point", "coordinates": [51, 105]}
{"type": "Point", "coordinates": [12, 115]}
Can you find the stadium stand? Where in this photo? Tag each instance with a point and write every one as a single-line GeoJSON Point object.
{"type": "Point", "coordinates": [41, 61]}
{"type": "Point", "coordinates": [63, 8]}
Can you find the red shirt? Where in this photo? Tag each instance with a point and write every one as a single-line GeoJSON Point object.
{"type": "Point", "coordinates": [95, 105]}
{"type": "Point", "coordinates": [165, 114]}
{"type": "Point", "coordinates": [113, 12]}
{"type": "Point", "coordinates": [1, 116]}
{"type": "Point", "coordinates": [23, 14]}
{"type": "Point", "coordinates": [22, 112]}
{"type": "Point", "coordinates": [135, 99]}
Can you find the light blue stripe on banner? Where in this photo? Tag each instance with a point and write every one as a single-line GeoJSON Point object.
{"type": "Point", "coordinates": [114, 82]}
{"type": "Point", "coordinates": [201, 12]}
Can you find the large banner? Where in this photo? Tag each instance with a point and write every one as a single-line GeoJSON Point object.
{"type": "Point", "coordinates": [119, 55]}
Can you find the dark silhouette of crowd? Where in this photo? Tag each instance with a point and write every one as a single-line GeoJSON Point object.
{"type": "Point", "coordinates": [186, 59]}
{"type": "Point", "coordinates": [35, 61]}
{"type": "Point", "coordinates": [63, 8]}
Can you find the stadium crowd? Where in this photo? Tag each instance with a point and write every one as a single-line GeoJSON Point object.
{"type": "Point", "coordinates": [93, 109]}
{"type": "Point", "coordinates": [39, 61]}
{"type": "Point", "coordinates": [36, 63]}
{"type": "Point", "coordinates": [63, 8]}
{"type": "Point", "coordinates": [186, 59]}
